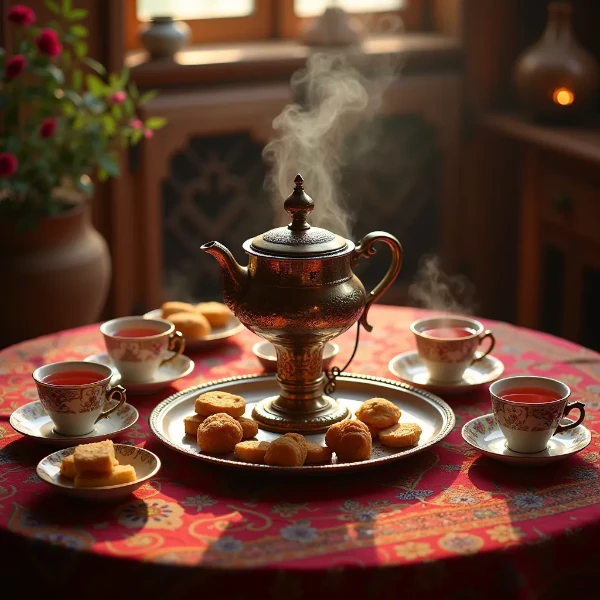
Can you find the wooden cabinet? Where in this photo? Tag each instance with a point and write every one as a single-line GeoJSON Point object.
{"type": "Point", "coordinates": [559, 277]}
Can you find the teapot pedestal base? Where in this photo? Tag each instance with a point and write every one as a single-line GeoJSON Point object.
{"type": "Point", "coordinates": [324, 412]}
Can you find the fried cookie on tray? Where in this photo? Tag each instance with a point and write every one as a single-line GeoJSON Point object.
{"type": "Point", "coordinates": [285, 452]}
{"type": "Point", "coordinates": [191, 424]}
{"type": "Point", "coordinates": [217, 314]}
{"type": "Point", "coordinates": [350, 440]}
{"type": "Point", "coordinates": [219, 433]}
{"type": "Point", "coordinates": [379, 413]}
{"type": "Point", "coordinates": [374, 431]}
{"type": "Point", "coordinates": [301, 441]}
{"type": "Point", "coordinates": [249, 427]}
{"type": "Point", "coordinates": [211, 403]}
{"type": "Point", "coordinates": [252, 451]}
{"type": "Point", "coordinates": [317, 455]}
{"type": "Point", "coordinates": [400, 435]}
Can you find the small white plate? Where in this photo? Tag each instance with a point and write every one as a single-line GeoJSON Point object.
{"type": "Point", "coordinates": [410, 368]}
{"type": "Point", "coordinates": [217, 336]}
{"type": "Point", "coordinates": [145, 463]}
{"type": "Point", "coordinates": [33, 421]}
{"type": "Point", "coordinates": [484, 434]}
{"type": "Point", "coordinates": [179, 367]}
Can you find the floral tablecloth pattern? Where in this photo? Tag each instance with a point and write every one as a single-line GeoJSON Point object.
{"type": "Point", "coordinates": [445, 520]}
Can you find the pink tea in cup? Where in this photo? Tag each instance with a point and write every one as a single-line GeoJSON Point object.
{"type": "Point", "coordinates": [73, 378]}
{"type": "Point", "coordinates": [530, 395]}
{"type": "Point", "coordinates": [135, 332]}
{"type": "Point", "coordinates": [448, 333]}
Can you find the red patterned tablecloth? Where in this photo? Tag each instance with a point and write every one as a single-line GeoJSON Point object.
{"type": "Point", "coordinates": [447, 521]}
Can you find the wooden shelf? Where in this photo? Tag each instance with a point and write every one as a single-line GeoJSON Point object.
{"type": "Point", "coordinates": [582, 142]}
{"type": "Point", "coordinates": [279, 59]}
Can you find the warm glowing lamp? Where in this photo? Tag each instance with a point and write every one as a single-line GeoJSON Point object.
{"type": "Point", "coordinates": [556, 79]}
{"type": "Point", "coordinates": [563, 96]}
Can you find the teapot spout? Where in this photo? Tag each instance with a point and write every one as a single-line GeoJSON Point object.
{"type": "Point", "coordinates": [234, 275]}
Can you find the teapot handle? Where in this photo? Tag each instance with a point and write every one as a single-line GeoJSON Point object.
{"type": "Point", "coordinates": [365, 248]}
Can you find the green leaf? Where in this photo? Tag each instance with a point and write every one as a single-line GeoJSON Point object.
{"type": "Point", "coordinates": [53, 7]}
{"type": "Point", "coordinates": [155, 122]}
{"type": "Point", "coordinates": [148, 96]}
{"type": "Point", "coordinates": [95, 65]}
{"type": "Point", "coordinates": [123, 78]}
{"type": "Point", "coordinates": [96, 105]}
{"type": "Point", "coordinates": [56, 74]}
{"type": "Point", "coordinates": [109, 125]}
{"type": "Point", "coordinates": [67, 6]}
{"type": "Point", "coordinates": [110, 163]}
{"type": "Point", "coordinates": [77, 80]}
{"type": "Point", "coordinates": [74, 97]}
{"type": "Point", "coordinates": [134, 94]}
{"type": "Point", "coordinates": [136, 136]}
{"type": "Point", "coordinates": [78, 31]}
{"type": "Point", "coordinates": [117, 112]}
{"type": "Point", "coordinates": [102, 174]}
{"type": "Point", "coordinates": [77, 13]}
{"type": "Point", "coordinates": [81, 48]}
{"type": "Point", "coordinates": [95, 85]}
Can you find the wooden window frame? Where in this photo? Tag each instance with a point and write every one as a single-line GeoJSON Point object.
{"type": "Point", "coordinates": [271, 19]}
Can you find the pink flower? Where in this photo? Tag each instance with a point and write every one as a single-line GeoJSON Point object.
{"type": "Point", "coordinates": [47, 128]}
{"type": "Point", "coordinates": [8, 164]}
{"type": "Point", "coordinates": [21, 15]}
{"type": "Point", "coordinates": [14, 66]}
{"type": "Point", "coordinates": [136, 124]}
{"type": "Point", "coordinates": [148, 134]}
{"type": "Point", "coordinates": [118, 97]}
{"type": "Point", "coordinates": [48, 43]}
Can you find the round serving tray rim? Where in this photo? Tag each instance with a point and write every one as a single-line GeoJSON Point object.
{"type": "Point", "coordinates": [445, 409]}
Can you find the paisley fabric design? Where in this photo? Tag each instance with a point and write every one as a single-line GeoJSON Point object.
{"type": "Point", "coordinates": [438, 516]}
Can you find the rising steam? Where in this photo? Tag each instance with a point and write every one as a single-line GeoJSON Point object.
{"type": "Point", "coordinates": [309, 136]}
{"type": "Point", "coordinates": [435, 290]}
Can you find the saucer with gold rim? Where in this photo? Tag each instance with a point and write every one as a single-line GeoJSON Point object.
{"type": "Point", "coordinates": [409, 367]}
{"type": "Point", "coordinates": [484, 434]}
{"type": "Point", "coordinates": [32, 420]}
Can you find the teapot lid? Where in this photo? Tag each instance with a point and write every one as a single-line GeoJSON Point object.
{"type": "Point", "coordinates": [298, 238]}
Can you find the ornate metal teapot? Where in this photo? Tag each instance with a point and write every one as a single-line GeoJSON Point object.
{"type": "Point", "coordinates": [298, 291]}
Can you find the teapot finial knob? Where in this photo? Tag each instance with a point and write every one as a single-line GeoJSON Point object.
{"type": "Point", "coordinates": [299, 205]}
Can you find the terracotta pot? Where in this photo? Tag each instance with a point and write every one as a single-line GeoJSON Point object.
{"type": "Point", "coordinates": [54, 277]}
{"type": "Point", "coordinates": [163, 37]}
{"type": "Point", "coordinates": [557, 79]}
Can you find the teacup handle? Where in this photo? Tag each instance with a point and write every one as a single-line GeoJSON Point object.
{"type": "Point", "coordinates": [118, 389]}
{"type": "Point", "coordinates": [487, 334]}
{"type": "Point", "coordinates": [176, 345]}
{"type": "Point", "coordinates": [568, 409]}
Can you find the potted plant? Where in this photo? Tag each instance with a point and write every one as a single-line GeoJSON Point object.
{"type": "Point", "coordinates": [63, 121]}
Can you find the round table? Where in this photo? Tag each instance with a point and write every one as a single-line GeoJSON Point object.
{"type": "Point", "coordinates": [447, 522]}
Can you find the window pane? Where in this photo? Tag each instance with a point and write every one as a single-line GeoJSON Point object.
{"type": "Point", "coordinates": [311, 8]}
{"type": "Point", "coordinates": [194, 9]}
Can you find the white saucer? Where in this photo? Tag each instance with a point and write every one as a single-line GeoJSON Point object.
{"type": "Point", "coordinates": [484, 434]}
{"type": "Point", "coordinates": [32, 421]}
{"type": "Point", "coordinates": [217, 336]}
{"type": "Point", "coordinates": [409, 368]}
{"type": "Point", "coordinates": [176, 369]}
{"type": "Point", "coordinates": [145, 463]}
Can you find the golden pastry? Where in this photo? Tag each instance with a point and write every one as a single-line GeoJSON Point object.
{"type": "Point", "coordinates": [350, 440]}
{"type": "Point", "coordinates": [218, 314]}
{"type": "Point", "coordinates": [373, 431]}
{"type": "Point", "coordinates": [192, 326]}
{"type": "Point", "coordinates": [378, 412]}
{"type": "Point", "coordinates": [170, 308]}
{"type": "Point", "coordinates": [301, 441]}
{"type": "Point", "coordinates": [249, 427]}
{"type": "Point", "coordinates": [211, 403]}
{"type": "Point", "coordinates": [317, 455]}
{"type": "Point", "coordinates": [219, 433]}
{"type": "Point", "coordinates": [192, 423]}
{"type": "Point", "coordinates": [252, 451]}
{"type": "Point", "coordinates": [285, 452]}
{"type": "Point", "coordinates": [400, 435]}
{"type": "Point", "coordinates": [97, 457]}
{"type": "Point", "coordinates": [120, 474]}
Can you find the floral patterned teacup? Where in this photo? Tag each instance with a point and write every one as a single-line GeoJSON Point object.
{"type": "Point", "coordinates": [528, 427]}
{"type": "Point", "coordinates": [76, 407]}
{"type": "Point", "coordinates": [448, 345]}
{"type": "Point", "coordinates": [140, 346]}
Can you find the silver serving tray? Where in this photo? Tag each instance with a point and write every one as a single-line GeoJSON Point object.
{"type": "Point", "coordinates": [432, 413]}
